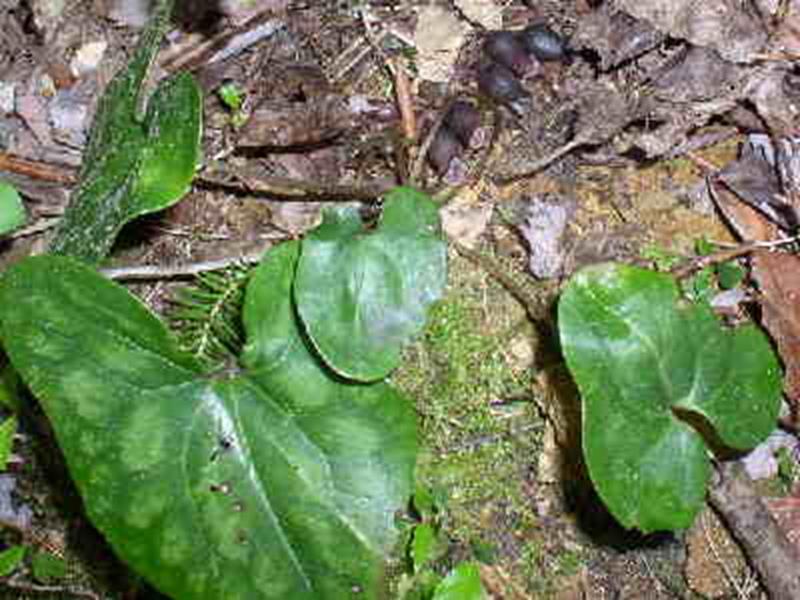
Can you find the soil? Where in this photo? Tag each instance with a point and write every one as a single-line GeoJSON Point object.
{"type": "Point", "coordinates": [499, 416]}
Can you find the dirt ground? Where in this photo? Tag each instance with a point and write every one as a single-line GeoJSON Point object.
{"type": "Point", "coordinates": [344, 97]}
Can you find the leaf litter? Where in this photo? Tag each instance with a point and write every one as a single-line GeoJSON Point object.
{"type": "Point", "coordinates": [660, 107]}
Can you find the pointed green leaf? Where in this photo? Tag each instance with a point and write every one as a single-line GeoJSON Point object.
{"type": "Point", "coordinates": [363, 294]}
{"type": "Point", "coordinates": [7, 430]}
{"type": "Point", "coordinates": [12, 211]}
{"type": "Point", "coordinates": [133, 164]}
{"type": "Point", "coordinates": [279, 484]}
{"type": "Point", "coordinates": [10, 559]}
{"type": "Point", "coordinates": [643, 358]}
{"type": "Point", "coordinates": [423, 546]}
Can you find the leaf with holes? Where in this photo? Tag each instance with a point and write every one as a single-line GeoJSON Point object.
{"type": "Point", "coordinates": [361, 293]}
{"type": "Point", "coordinates": [278, 483]}
{"type": "Point", "coordinates": [659, 379]}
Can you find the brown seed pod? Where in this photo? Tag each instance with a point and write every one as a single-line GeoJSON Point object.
{"type": "Point", "coordinates": [505, 48]}
{"type": "Point", "coordinates": [462, 119]}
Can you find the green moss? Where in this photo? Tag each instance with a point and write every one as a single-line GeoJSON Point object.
{"type": "Point", "coordinates": [480, 427]}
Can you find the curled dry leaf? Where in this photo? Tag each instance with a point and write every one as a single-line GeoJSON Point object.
{"type": "Point", "coordinates": [722, 25]}
{"type": "Point", "coordinates": [615, 36]}
{"type": "Point", "coordinates": [754, 180]}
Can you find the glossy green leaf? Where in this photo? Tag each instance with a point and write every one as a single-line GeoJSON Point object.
{"type": "Point", "coordinates": [462, 583]}
{"type": "Point", "coordinates": [12, 211]}
{"type": "Point", "coordinates": [7, 430]}
{"type": "Point", "coordinates": [361, 293]}
{"type": "Point", "coordinates": [10, 559]}
{"type": "Point", "coordinates": [133, 164]}
{"type": "Point", "coordinates": [423, 546]}
{"type": "Point", "coordinates": [645, 361]}
{"type": "Point", "coordinates": [278, 483]}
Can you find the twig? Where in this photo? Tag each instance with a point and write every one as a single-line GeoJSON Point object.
{"type": "Point", "coordinates": [291, 190]}
{"type": "Point", "coordinates": [765, 544]}
{"type": "Point", "coordinates": [545, 161]}
{"type": "Point", "coordinates": [405, 104]}
{"type": "Point", "coordinates": [35, 228]}
{"type": "Point", "coordinates": [16, 582]}
{"type": "Point", "coordinates": [224, 45]}
{"type": "Point", "coordinates": [534, 307]}
{"type": "Point", "coordinates": [36, 169]}
{"type": "Point", "coordinates": [149, 272]}
{"type": "Point", "coordinates": [726, 254]}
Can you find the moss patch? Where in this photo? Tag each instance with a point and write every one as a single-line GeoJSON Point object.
{"type": "Point", "coordinates": [471, 376]}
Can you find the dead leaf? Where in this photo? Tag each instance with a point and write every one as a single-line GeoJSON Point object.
{"type": "Point", "coordinates": [778, 278]}
{"type": "Point", "coordinates": [722, 25]}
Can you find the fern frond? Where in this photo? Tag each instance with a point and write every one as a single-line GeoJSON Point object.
{"type": "Point", "coordinates": [207, 315]}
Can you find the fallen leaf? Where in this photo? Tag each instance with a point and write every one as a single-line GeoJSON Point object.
{"type": "Point", "coordinates": [778, 277]}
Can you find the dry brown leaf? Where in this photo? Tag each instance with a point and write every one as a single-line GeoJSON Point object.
{"type": "Point", "coordinates": [778, 277]}
{"type": "Point", "coordinates": [723, 25]}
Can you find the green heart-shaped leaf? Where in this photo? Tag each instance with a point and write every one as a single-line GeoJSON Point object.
{"type": "Point", "coordinates": [282, 483]}
{"type": "Point", "coordinates": [644, 360]}
{"type": "Point", "coordinates": [362, 294]}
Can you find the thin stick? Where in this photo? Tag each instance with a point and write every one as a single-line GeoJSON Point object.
{"type": "Point", "coordinates": [726, 254]}
{"type": "Point", "coordinates": [150, 272]}
{"type": "Point", "coordinates": [292, 190]}
{"type": "Point", "coordinates": [544, 162]}
{"type": "Point", "coordinates": [534, 308]}
{"type": "Point", "coordinates": [734, 497]}
{"type": "Point", "coordinates": [36, 169]}
{"type": "Point", "coordinates": [16, 582]}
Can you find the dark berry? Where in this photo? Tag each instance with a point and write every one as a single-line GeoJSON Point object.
{"type": "Point", "coordinates": [505, 48]}
{"type": "Point", "coordinates": [544, 43]}
{"type": "Point", "coordinates": [499, 84]}
{"type": "Point", "coordinates": [444, 147]}
{"type": "Point", "coordinates": [462, 119]}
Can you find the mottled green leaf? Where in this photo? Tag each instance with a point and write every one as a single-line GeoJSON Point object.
{"type": "Point", "coordinates": [281, 482]}
{"type": "Point", "coordinates": [133, 163]}
{"type": "Point", "coordinates": [363, 293]}
{"type": "Point", "coordinates": [651, 368]}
